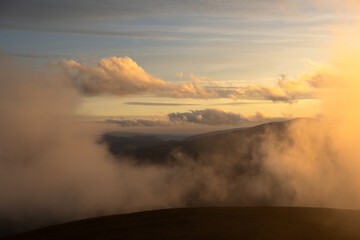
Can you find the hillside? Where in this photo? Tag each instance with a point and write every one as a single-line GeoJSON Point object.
{"type": "Point", "coordinates": [121, 144]}
{"type": "Point", "coordinates": [243, 143]}
{"type": "Point", "coordinates": [211, 223]}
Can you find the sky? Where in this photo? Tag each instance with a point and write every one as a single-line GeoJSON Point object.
{"type": "Point", "coordinates": [161, 63]}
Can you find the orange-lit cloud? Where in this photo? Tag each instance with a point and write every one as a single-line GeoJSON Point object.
{"type": "Point", "coordinates": [117, 76]}
{"type": "Point", "coordinates": [307, 85]}
{"type": "Point", "coordinates": [123, 76]}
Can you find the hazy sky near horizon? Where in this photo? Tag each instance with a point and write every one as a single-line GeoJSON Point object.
{"type": "Point", "coordinates": [146, 59]}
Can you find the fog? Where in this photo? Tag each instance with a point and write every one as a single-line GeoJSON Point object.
{"type": "Point", "coordinates": [53, 170]}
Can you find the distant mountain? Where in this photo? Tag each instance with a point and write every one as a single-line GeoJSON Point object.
{"type": "Point", "coordinates": [212, 133]}
{"type": "Point", "coordinates": [165, 137]}
{"type": "Point", "coordinates": [126, 142]}
{"type": "Point", "coordinates": [121, 144]}
{"type": "Point", "coordinates": [234, 159]}
{"type": "Point", "coordinates": [277, 223]}
{"type": "Point", "coordinates": [242, 143]}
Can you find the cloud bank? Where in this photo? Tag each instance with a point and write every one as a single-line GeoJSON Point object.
{"type": "Point", "coordinates": [208, 117]}
{"type": "Point", "coordinates": [215, 116]}
{"type": "Point", "coordinates": [123, 76]}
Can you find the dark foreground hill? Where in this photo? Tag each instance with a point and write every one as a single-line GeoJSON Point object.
{"type": "Point", "coordinates": [211, 223]}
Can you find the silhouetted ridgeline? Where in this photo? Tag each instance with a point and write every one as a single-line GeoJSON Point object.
{"type": "Point", "coordinates": [211, 223]}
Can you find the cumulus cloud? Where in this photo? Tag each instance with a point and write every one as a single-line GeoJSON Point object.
{"type": "Point", "coordinates": [118, 76]}
{"type": "Point", "coordinates": [208, 117]}
{"type": "Point", "coordinates": [123, 76]}
{"type": "Point", "coordinates": [218, 116]}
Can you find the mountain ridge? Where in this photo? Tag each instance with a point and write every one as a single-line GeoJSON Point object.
{"type": "Point", "coordinates": [210, 223]}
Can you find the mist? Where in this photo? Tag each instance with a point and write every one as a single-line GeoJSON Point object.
{"type": "Point", "coordinates": [52, 168]}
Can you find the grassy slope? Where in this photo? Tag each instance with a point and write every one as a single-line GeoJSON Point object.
{"type": "Point", "coordinates": [212, 223]}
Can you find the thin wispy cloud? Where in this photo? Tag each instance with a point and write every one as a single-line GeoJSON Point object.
{"type": "Point", "coordinates": [35, 56]}
{"type": "Point", "coordinates": [73, 17]}
{"type": "Point", "coordinates": [233, 103]}
{"type": "Point", "coordinates": [27, 27]}
{"type": "Point", "coordinates": [160, 104]}
{"type": "Point", "coordinates": [38, 10]}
